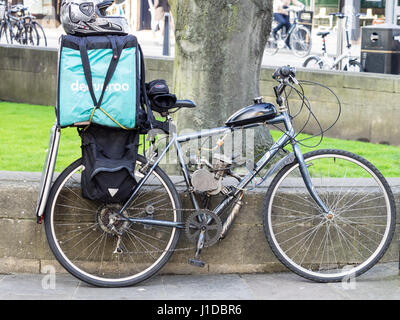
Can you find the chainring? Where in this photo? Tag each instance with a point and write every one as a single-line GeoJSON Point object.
{"type": "Point", "coordinates": [197, 222]}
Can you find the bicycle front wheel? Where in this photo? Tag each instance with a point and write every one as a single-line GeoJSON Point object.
{"type": "Point", "coordinates": [354, 66]}
{"type": "Point", "coordinates": [42, 40]}
{"type": "Point", "coordinates": [90, 242]}
{"type": "Point", "coordinates": [300, 41]}
{"type": "Point", "coordinates": [351, 238]}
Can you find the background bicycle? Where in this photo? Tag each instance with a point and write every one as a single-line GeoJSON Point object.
{"type": "Point", "coordinates": [328, 214]}
{"type": "Point", "coordinates": [349, 62]}
{"type": "Point", "coordinates": [297, 38]}
{"type": "Point", "coordinates": [19, 27]}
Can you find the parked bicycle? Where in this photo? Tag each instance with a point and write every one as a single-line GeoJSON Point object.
{"type": "Point", "coordinates": [349, 62]}
{"type": "Point", "coordinates": [328, 214]}
{"type": "Point", "coordinates": [3, 22]}
{"type": "Point", "coordinates": [297, 38]}
{"type": "Point", "coordinates": [19, 27]}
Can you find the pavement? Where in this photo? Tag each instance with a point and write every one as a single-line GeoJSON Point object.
{"type": "Point", "coordinates": [382, 282]}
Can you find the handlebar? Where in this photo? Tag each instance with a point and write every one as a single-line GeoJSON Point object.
{"type": "Point", "coordinates": [283, 73]}
{"type": "Point", "coordinates": [341, 15]}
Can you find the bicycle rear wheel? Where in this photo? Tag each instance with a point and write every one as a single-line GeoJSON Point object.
{"type": "Point", "coordinates": [300, 41]}
{"type": "Point", "coordinates": [271, 46]}
{"type": "Point", "coordinates": [31, 35]}
{"type": "Point", "coordinates": [42, 40]}
{"type": "Point", "coordinates": [313, 62]}
{"type": "Point", "coordinates": [332, 247]}
{"type": "Point", "coordinates": [93, 245]}
{"type": "Point", "coordinates": [5, 34]}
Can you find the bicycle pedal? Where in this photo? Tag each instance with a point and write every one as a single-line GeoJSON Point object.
{"type": "Point", "coordinates": [197, 263]}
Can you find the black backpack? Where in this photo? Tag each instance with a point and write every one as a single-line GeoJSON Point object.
{"type": "Point", "coordinates": [109, 157]}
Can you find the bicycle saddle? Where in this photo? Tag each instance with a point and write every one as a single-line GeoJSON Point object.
{"type": "Point", "coordinates": [323, 33]}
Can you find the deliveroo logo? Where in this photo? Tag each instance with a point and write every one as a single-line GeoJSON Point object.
{"type": "Point", "coordinates": [112, 87]}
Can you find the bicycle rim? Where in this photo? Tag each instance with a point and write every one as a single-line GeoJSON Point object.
{"type": "Point", "coordinates": [353, 66]}
{"type": "Point", "coordinates": [5, 35]}
{"type": "Point", "coordinates": [348, 243]}
{"type": "Point", "coordinates": [300, 41]}
{"type": "Point", "coordinates": [313, 63]}
{"type": "Point", "coordinates": [42, 40]}
{"type": "Point", "coordinates": [31, 35]}
{"type": "Point", "coordinates": [83, 237]}
{"type": "Point", "coordinates": [271, 47]}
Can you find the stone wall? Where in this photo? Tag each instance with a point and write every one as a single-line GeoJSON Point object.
{"type": "Point", "coordinates": [24, 248]}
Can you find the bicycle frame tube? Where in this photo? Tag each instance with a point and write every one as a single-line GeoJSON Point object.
{"type": "Point", "coordinates": [176, 140]}
{"type": "Point", "coordinates": [338, 60]}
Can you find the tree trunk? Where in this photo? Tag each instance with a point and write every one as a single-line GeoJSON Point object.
{"type": "Point", "coordinates": [218, 52]}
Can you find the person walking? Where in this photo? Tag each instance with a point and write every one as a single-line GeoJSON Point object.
{"type": "Point", "coordinates": [161, 7]}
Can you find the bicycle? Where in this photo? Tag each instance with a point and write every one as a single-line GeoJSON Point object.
{"type": "Point", "coordinates": [299, 38]}
{"type": "Point", "coordinates": [20, 27]}
{"type": "Point", "coordinates": [4, 35]}
{"type": "Point", "coordinates": [327, 215]}
{"type": "Point", "coordinates": [328, 63]}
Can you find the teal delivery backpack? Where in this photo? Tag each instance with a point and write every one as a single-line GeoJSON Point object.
{"type": "Point", "coordinates": [101, 81]}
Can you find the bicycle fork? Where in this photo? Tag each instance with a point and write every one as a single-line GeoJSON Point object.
{"type": "Point", "coordinates": [307, 180]}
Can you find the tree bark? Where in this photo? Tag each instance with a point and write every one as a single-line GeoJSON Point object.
{"type": "Point", "coordinates": [218, 52]}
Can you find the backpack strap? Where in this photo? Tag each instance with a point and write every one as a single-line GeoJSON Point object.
{"type": "Point", "coordinates": [117, 47]}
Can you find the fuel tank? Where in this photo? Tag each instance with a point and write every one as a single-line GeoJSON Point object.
{"type": "Point", "coordinates": [255, 113]}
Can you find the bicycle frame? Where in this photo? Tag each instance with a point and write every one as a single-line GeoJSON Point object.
{"type": "Point", "coordinates": [292, 26]}
{"type": "Point", "coordinates": [288, 135]}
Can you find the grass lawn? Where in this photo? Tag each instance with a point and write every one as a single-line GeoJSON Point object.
{"type": "Point", "coordinates": [24, 135]}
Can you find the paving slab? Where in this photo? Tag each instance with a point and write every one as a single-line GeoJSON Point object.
{"type": "Point", "coordinates": [381, 282]}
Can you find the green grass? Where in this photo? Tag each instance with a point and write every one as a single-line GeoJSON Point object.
{"type": "Point", "coordinates": [385, 158]}
{"type": "Point", "coordinates": [24, 138]}
{"type": "Point", "coordinates": [24, 135]}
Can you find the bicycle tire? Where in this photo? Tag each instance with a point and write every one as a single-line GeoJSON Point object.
{"type": "Point", "coordinates": [355, 66]}
{"type": "Point", "coordinates": [31, 34]}
{"type": "Point", "coordinates": [102, 266]}
{"type": "Point", "coordinates": [271, 47]}
{"type": "Point", "coordinates": [350, 246]}
{"type": "Point", "coordinates": [5, 33]}
{"type": "Point", "coordinates": [313, 62]}
{"type": "Point", "coordinates": [300, 41]}
{"type": "Point", "coordinates": [41, 33]}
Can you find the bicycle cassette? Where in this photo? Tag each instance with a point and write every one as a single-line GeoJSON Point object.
{"type": "Point", "coordinates": [206, 221]}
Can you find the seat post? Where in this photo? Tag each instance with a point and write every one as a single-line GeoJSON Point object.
{"type": "Point", "coordinates": [323, 44]}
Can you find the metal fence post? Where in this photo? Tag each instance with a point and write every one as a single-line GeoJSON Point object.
{"type": "Point", "coordinates": [166, 45]}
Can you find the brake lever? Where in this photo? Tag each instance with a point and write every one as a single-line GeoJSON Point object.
{"type": "Point", "coordinates": [293, 79]}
